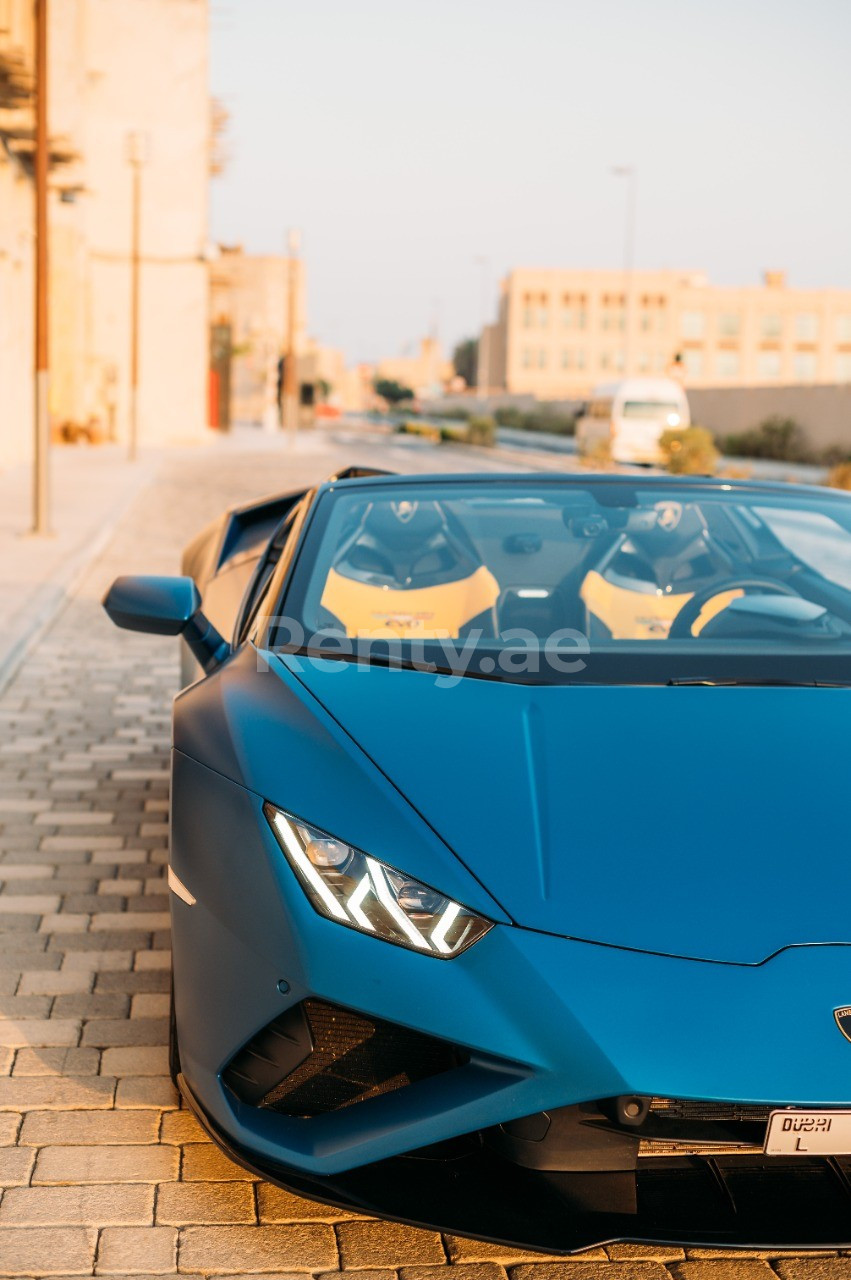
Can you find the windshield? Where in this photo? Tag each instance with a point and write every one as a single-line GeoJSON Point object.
{"type": "Point", "coordinates": [599, 580]}
{"type": "Point", "coordinates": [656, 410]}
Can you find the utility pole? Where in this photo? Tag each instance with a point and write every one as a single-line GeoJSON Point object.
{"type": "Point", "coordinates": [41, 450]}
{"type": "Point", "coordinates": [630, 173]}
{"type": "Point", "coordinates": [290, 387]}
{"type": "Point", "coordinates": [483, 361]}
{"type": "Point", "coordinates": [137, 154]}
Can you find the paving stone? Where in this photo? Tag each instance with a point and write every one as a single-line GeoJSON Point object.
{"type": "Point", "coordinates": [387, 1244]}
{"type": "Point", "coordinates": [69, 1206]}
{"type": "Point", "coordinates": [650, 1252]}
{"type": "Point", "coordinates": [15, 1167]}
{"type": "Point", "coordinates": [181, 1127]}
{"type": "Point", "coordinates": [204, 1162]}
{"type": "Point", "coordinates": [464, 1271]}
{"type": "Point", "coordinates": [84, 1128]}
{"type": "Point", "coordinates": [156, 980]}
{"type": "Point", "coordinates": [101, 1163]}
{"type": "Point", "coordinates": [101, 962]}
{"type": "Point", "coordinates": [119, 1032]}
{"type": "Point", "coordinates": [183, 1204]}
{"type": "Point", "coordinates": [48, 1252]}
{"type": "Point", "coordinates": [57, 1062]}
{"type": "Point", "coordinates": [460, 1250]}
{"type": "Point", "coordinates": [146, 1091]}
{"type": "Point", "coordinates": [831, 1268]}
{"type": "Point", "coordinates": [730, 1268]}
{"type": "Point", "coordinates": [137, 1250]}
{"type": "Point", "coordinates": [38, 1031]}
{"type": "Point", "coordinates": [152, 960]}
{"type": "Point", "coordinates": [220, 1250]}
{"type": "Point", "coordinates": [277, 1205]}
{"type": "Point", "coordinates": [19, 1093]}
{"type": "Point", "coordinates": [9, 1126]}
{"type": "Point", "coordinates": [56, 983]}
{"type": "Point", "coordinates": [150, 1005]}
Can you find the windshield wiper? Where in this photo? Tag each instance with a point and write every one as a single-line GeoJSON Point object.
{"type": "Point", "coordinates": [769, 682]}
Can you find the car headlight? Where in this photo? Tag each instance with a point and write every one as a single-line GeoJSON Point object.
{"type": "Point", "coordinates": [362, 893]}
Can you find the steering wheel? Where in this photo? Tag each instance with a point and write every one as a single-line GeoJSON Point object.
{"type": "Point", "coordinates": [681, 627]}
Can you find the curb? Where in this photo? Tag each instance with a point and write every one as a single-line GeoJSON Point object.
{"type": "Point", "coordinates": [56, 591]}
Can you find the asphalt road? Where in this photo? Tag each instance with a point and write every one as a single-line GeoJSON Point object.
{"type": "Point", "coordinates": [102, 1171]}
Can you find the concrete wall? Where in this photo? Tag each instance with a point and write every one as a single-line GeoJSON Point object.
{"type": "Point", "coordinates": [823, 411]}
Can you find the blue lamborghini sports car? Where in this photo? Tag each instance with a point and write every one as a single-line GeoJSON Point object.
{"type": "Point", "coordinates": [510, 861]}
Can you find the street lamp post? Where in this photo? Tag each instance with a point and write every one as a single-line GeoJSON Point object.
{"type": "Point", "coordinates": [137, 155]}
{"type": "Point", "coordinates": [483, 366]}
{"type": "Point", "coordinates": [41, 450]}
{"type": "Point", "coordinates": [290, 387]}
{"type": "Point", "coordinates": [630, 173]}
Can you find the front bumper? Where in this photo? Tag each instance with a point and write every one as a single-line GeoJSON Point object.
{"type": "Point", "coordinates": [725, 1202]}
{"type": "Point", "coordinates": [544, 1022]}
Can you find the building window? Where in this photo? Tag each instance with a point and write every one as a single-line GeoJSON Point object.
{"type": "Point", "coordinates": [543, 316]}
{"type": "Point", "coordinates": [604, 360]}
{"type": "Point", "coordinates": [692, 324]}
{"type": "Point", "coordinates": [843, 366]}
{"type": "Point", "coordinates": [580, 359]}
{"type": "Point", "coordinates": [807, 326]}
{"type": "Point", "coordinates": [729, 324]}
{"type": "Point", "coordinates": [567, 317]}
{"type": "Point", "coordinates": [528, 318]}
{"type": "Point", "coordinates": [693, 363]}
{"type": "Point", "coordinates": [805, 366]}
{"type": "Point", "coordinates": [768, 364]}
{"type": "Point", "coordinates": [771, 325]}
{"type": "Point", "coordinates": [582, 320]}
{"type": "Point", "coordinates": [526, 358]}
{"type": "Point", "coordinates": [727, 364]}
{"type": "Point", "coordinates": [565, 359]}
{"type": "Point", "coordinates": [542, 357]}
{"type": "Point", "coordinates": [643, 361]}
{"type": "Point", "coordinates": [661, 363]}
{"type": "Point", "coordinates": [843, 328]}
{"type": "Point", "coordinates": [619, 361]}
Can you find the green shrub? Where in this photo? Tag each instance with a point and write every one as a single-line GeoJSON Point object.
{"type": "Point", "coordinates": [481, 430]}
{"type": "Point", "coordinates": [689, 452]}
{"type": "Point", "coordinates": [840, 476]}
{"type": "Point", "coordinates": [550, 420]}
{"type": "Point", "coordinates": [778, 438]}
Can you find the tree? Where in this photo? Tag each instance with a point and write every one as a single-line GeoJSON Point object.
{"type": "Point", "coordinates": [465, 359]}
{"type": "Point", "coordinates": [392, 391]}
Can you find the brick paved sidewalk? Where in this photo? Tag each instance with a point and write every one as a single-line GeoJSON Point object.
{"type": "Point", "coordinates": [90, 488]}
{"type": "Point", "coordinates": [103, 1172]}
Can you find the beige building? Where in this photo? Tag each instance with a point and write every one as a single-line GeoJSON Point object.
{"type": "Point", "coordinates": [559, 332]}
{"type": "Point", "coordinates": [426, 373]}
{"type": "Point", "coordinates": [16, 245]}
{"type": "Point", "coordinates": [116, 68]}
{"type": "Point", "coordinates": [249, 296]}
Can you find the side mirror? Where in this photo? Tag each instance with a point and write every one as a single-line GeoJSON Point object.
{"type": "Point", "coordinates": [166, 607]}
{"type": "Point", "coordinates": [158, 606]}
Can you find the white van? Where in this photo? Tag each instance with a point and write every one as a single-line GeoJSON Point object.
{"type": "Point", "coordinates": [629, 417]}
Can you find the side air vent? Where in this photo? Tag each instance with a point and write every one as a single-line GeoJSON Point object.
{"type": "Point", "coordinates": [269, 1056]}
{"type": "Point", "coordinates": [349, 1058]}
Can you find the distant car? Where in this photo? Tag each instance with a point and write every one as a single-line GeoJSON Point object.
{"type": "Point", "coordinates": [627, 419]}
{"type": "Point", "coordinates": [509, 867]}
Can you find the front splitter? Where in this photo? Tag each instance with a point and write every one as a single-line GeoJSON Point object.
{"type": "Point", "coordinates": [748, 1202]}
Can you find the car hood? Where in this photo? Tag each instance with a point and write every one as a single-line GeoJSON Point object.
{"type": "Point", "coordinates": [692, 821]}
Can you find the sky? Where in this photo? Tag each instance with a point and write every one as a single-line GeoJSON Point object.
{"type": "Point", "coordinates": [410, 139]}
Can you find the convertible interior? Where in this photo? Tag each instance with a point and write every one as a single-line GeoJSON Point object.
{"type": "Point", "coordinates": [613, 565]}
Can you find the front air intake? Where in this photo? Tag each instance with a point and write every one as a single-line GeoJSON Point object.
{"type": "Point", "coordinates": [325, 1057]}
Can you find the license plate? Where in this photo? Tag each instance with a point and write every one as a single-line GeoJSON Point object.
{"type": "Point", "coordinates": [808, 1133]}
